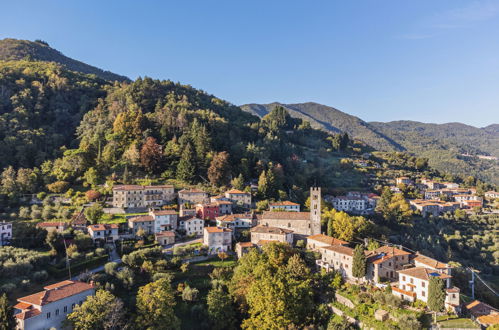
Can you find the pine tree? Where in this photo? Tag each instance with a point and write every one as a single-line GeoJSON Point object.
{"type": "Point", "coordinates": [383, 205]}
{"type": "Point", "coordinates": [186, 168]}
{"type": "Point", "coordinates": [7, 320]}
{"type": "Point", "coordinates": [330, 228]}
{"type": "Point", "coordinates": [436, 294]}
{"type": "Point", "coordinates": [359, 262]}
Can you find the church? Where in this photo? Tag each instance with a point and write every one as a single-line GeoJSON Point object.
{"type": "Point", "coordinates": [301, 223]}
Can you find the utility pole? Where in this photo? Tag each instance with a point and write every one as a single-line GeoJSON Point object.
{"type": "Point", "coordinates": [472, 283]}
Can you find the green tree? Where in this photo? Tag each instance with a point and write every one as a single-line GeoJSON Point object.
{"type": "Point", "coordinates": [7, 320]}
{"type": "Point", "coordinates": [359, 262]}
{"type": "Point", "coordinates": [94, 213]}
{"type": "Point", "coordinates": [220, 309]}
{"type": "Point", "coordinates": [91, 177]}
{"type": "Point", "coordinates": [436, 294]}
{"type": "Point", "coordinates": [238, 182]}
{"type": "Point", "coordinates": [383, 205]}
{"type": "Point", "coordinates": [219, 170]}
{"type": "Point", "coordinates": [102, 311]}
{"type": "Point", "coordinates": [155, 303]}
{"type": "Point", "coordinates": [186, 168]}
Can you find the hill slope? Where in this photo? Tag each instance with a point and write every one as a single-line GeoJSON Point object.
{"type": "Point", "coordinates": [330, 119]}
{"type": "Point", "coordinates": [13, 50]}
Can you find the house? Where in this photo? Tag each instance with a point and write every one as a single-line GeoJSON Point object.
{"type": "Point", "coordinates": [424, 261]}
{"type": "Point", "coordinates": [207, 211]}
{"type": "Point", "coordinates": [462, 198]}
{"type": "Point", "coordinates": [184, 211]}
{"type": "Point", "coordinates": [430, 184]}
{"type": "Point", "coordinates": [191, 225]}
{"type": "Point", "coordinates": [492, 194]}
{"type": "Point", "coordinates": [137, 196]}
{"type": "Point", "coordinates": [482, 313]}
{"type": "Point", "coordinates": [471, 204]}
{"type": "Point", "coordinates": [165, 237]}
{"type": "Point", "coordinates": [338, 258]}
{"type": "Point", "coordinates": [450, 185]}
{"type": "Point", "coordinates": [192, 196]}
{"type": "Point", "coordinates": [217, 239]}
{"type": "Point", "coordinates": [350, 203]}
{"type": "Point", "coordinates": [384, 262]}
{"type": "Point", "coordinates": [219, 198]}
{"type": "Point", "coordinates": [164, 220]}
{"type": "Point", "coordinates": [265, 233]}
{"type": "Point", "coordinates": [5, 233]}
{"type": "Point", "coordinates": [107, 233]}
{"type": "Point", "coordinates": [237, 221]}
{"type": "Point", "coordinates": [238, 197]}
{"type": "Point", "coordinates": [433, 207]}
{"type": "Point", "coordinates": [301, 223]}
{"type": "Point", "coordinates": [146, 222]}
{"type": "Point", "coordinates": [315, 242]}
{"type": "Point", "coordinates": [284, 206]}
{"type": "Point", "coordinates": [53, 226]}
{"type": "Point", "coordinates": [432, 194]}
{"type": "Point", "coordinates": [48, 309]}
{"type": "Point", "coordinates": [79, 220]}
{"type": "Point", "coordinates": [414, 282]}
{"type": "Point", "coordinates": [403, 180]}
{"type": "Point", "coordinates": [243, 247]}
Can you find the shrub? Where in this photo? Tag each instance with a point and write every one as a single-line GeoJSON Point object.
{"type": "Point", "coordinates": [40, 276]}
{"type": "Point", "coordinates": [190, 294]}
{"type": "Point", "coordinates": [8, 287]}
{"type": "Point", "coordinates": [100, 251]}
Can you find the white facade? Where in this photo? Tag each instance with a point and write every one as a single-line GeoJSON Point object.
{"type": "Point", "coordinates": [285, 206]}
{"type": "Point", "coordinates": [135, 196]}
{"type": "Point", "coordinates": [164, 220]}
{"type": "Point", "coordinates": [239, 197]}
{"type": "Point", "coordinates": [107, 232]}
{"type": "Point", "coordinates": [349, 203]}
{"type": "Point", "coordinates": [5, 232]}
{"type": "Point", "coordinates": [191, 225]}
{"type": "Point", "coordinates": [217, 239]}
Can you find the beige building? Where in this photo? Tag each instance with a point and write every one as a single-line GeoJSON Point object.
{"type": "Point", "coordinates": [301, 223]}
{"type": "Point", "coordinates": [384, 262]}
{"type": "Point", "coordinates": [284, 206]}
{"type": "Point", "coordinates": [337, 257]}
{"type": "Point", "coordinates": [145, 222]}
{"type": "Point", "coordinates": [48, 309]}
{"type": "Point", "coordinates": [239, 197]}
{"type": "Point", "coordinates": [165, 237]}
{"type": "Point", "coordinates": [53, 226]}
{"type": "Point", "coordinates": [104, 232]}
{"type": "Point", "coordinates": [164, 220]}
{"type": "Point", "coordinates": [243, 247]}
{"type": "Point", "coordinates": [261, 234]}
{"type": "Point", "coordinates": [217, 239]}
{"type": "Point", "coordinates": [192, 196]}
{"type": "Point", "coordinates": [315, 242]}
{"type": "Point", "coordinates": [233, 221]}
{"type": "Point", "coordinates": [136, 196]}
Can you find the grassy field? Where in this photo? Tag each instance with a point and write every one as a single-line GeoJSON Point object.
{"type": "Point", "coordinates": [456, 322]}
{"type": "Point", "coordinates": [118, 218]}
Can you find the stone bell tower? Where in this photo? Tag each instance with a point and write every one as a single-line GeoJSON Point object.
{"type": "Point", "coordinates": [315, 210]}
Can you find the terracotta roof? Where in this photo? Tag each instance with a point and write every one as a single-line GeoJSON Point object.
{"type": "Point", "coordinates": [223, 202]}
{"type": "Point", "coordinates": [165, 234]}
{"type": "Point", "coordinates": [270, 230]}
{"type": "Point", "coordinates": [232, 217]}
{"type": "Point", "coordinates": [284, 203]}
{"type": "Point", "coordinates": [28, 314]}
{"type": "Point", "coordinates": [217, 230]}
{"type": "Point", "coordinates": [51, 224]}
{"type": "Point", "coordinates": [189, 218]}
{"type": "Point", "coordinates": [286, 215]}
{"type": "Point", "coordinates": [422, 273]}
{"type": "Point", "coordinates": [22, 305]}
{"type": "Point", "coordinates": [477, 308]}
{"type": "Point", "coordinates": [490, 319]}
{"type": "Point", "coordinates": [245, 244]}
{"type": "Point", "coordinates": [142, 218]}
{"type": "Point", "coordinates": [128, 187]}
{"type": "Point", "coordinates": [454, 289]}
{"type": "Point", "coordinates": [327, 239]}
{"type": "Point", "coordinates": [102, 227]}
{"type": "Point", "coordinates": [57, 285]}
{"type": "Point", "coordinates": [236, 192]}
{"type": "Point", "coordinates": [159, 186]}
{"type": "Point", "coordinates": [431, 262]}
{"type": "Point", "coordinates": [56, 292]}
{"type": "Point", "coordinates": [79, 218]}
{"type": "Point", "coordinates": [164, 212]}
{"type": "Point", "coordinates": [340, 249]}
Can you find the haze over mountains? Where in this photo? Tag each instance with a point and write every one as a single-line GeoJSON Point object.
{"type": "Point", "coordinates": [443, 144]}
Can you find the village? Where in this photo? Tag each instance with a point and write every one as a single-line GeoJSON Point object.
{"type": "Point", "coordinates": [229, 225]}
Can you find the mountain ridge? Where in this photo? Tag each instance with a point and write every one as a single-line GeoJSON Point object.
{"type": "Point", "coordinates": [16, 49]}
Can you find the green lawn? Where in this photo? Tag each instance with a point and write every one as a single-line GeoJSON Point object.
{"type": "Point", "coordinates": [456, 322]}
{"type": "Point", "coordinates": [118, 218]}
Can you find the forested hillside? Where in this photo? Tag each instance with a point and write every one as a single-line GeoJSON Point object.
{"type": "Point", "coordinates": [41, 104]}
{"type": "Point", "coordinates": [14, 50]}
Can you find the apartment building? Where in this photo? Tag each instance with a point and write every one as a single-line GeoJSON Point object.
{"type": "Point", "coordinates": [217, 239]}
{"type": "Point", "coordinates": [315, 242]}
{"type": "Point", "coordinates": [192, 225]}
{"type": "Point", "coordinates": [284, 206]}
{"type": "Point", "coordinates": [192, 196]}
{"type": "Point", "coordinates": [137, 196]}
{"type": "Point", "coordinates": [263, 234]}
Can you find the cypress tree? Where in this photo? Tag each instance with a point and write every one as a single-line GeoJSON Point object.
{"type": "Point", "coordinates": [186, 168]}
{"type": "Point", "coordinates": [436, 294]}
{"type": "Point", "coordinates": [7, 321]}
{"type": "Point", "coordinates": [359, 262]}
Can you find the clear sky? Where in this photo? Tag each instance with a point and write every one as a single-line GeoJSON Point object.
{"type": "Point", "coordinates": [381, 60]}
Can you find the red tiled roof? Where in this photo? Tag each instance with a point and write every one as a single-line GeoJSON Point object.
{"type": "Point", "coordinates": [56, 292]}
{"type": "Point", "coordinates": [284, 203]}
{"type": "Point", "coordinates": [270, 230]}
{"type": "Point", "coordinates": [422, 273]}
{"type": "Point", "coordinates": [28, 314]}
{"type": "Point", "coordinates": [477, 308]}
{"type": "Point", "coordinates": [192, 191]}
{"type": "Point", "coordinates": [431, 262]}
{"type": "Point", "coordinates": [217, 230]}
{"type": "Point", "coordinates": [164, 212]}
{"type": "Point", "coordinates": [340, 249]}
{"type": "Point", "coordinates": [326, 239]}
{"type": "Point", "coordinates": [22, 305]}
{"type": "Point", "coordinates": [232, 217]}
{"type": "Point", "coordinates": [142, 218]}
{"type": "Point", "coordinates": [490, 319]}
{"type": "Point", "coordinates": [286, 215]}
{"type": "Point", "coordinates": [236, 192]}
{"type": "Point", "coordinates": [165, 234]}
{"type": "Point", "coordinates": [51, 224]}
{"type": "Point", "coordinates": [245, 244]}
{"type": "Point", "coordinates": [102, 227]}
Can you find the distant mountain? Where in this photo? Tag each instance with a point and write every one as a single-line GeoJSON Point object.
{"type": "Point", "coordinates": [443, 144]}
{"type": "Point", "coordinates": [330, 119]}
{"type": "Point", "coordinates": [14, 49]}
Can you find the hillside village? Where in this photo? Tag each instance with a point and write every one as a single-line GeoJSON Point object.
{"type": "Point", "coordinates": [229, 225]}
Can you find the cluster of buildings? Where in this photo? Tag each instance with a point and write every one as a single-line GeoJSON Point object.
{"type": "Point", "coordinates": [354, 202]}
{"type": "Point", "coordinates": [5, 233]}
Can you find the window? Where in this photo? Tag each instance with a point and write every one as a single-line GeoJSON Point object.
{"type": "Point", "coordinates": [423, 293]}
{"type": "Point", "coordinates": [389, 264]}
{"type": "Point", "coordinates": [412, 280]}
{"type": "Point", "coordinates": [56, 312]}
{"type": "Point", "coordinates": [72, 306]}
{"type": "Point", "coordinates": [423, 284]}
{"type": "Point", "coordinates": [48, 315]}
{"type": "Point", "coordinates": [403, 278]}
{"type": "Point", "coordinates": [65, 309]}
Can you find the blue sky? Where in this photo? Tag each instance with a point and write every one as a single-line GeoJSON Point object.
{"type": "Point", "coordinates": [381, 60]}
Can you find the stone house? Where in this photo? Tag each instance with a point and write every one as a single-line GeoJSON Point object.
{"type": "Point", "coordinates": [261, 234]}
{"type": "Point", "coordinates": [191, 225]}
{"type": "Point", "coordinates": [137, 196]}
{"type": "Point", "coordinates": [314, 242]}
{"type": "Point", "coordinates": [239, 197]}
{"type": "Point", "coordinates": [107, 233]}
{"type": "Point", "coordinates": [165, 238]}
{"type": "Point", "coordinates": [284, 206]}
{"type": "Point", "coordinates": [192, 196]}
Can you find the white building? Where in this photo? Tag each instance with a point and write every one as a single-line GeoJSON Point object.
{"type": "Point", "coordinates": [285, 206]}
{"type": "Point", "coordinates": [104, 232]}
{"type": "Point", "coordinates": [48, 309]}
{"type": "Point", "coordinates": [164, 220]}
{"type": "Point", "coordinates": [314, 242]}
{"type": "Point", "coordinates": [233, 221]}
{"type": "Point", "coordinates": [264, 234]}
{"type": "Point", "coordinates": [192, 225]}
{"type": "Point", "coordinates": [217, 239]}
{"type": "Point", "coordinates": [349, 203]}
{"type": "Point", "coordinates": [5, 233]}
{"type": "Point", "coordinates": [492, 194]}
{"type": "Point", "coordinates": [135, 196]}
